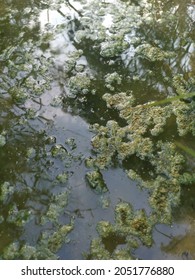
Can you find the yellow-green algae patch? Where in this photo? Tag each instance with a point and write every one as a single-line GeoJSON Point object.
{"type": "Point", "coordinates": [96, 181]}
{"type": "Point", "coordinates": [130, 228]}
{"type": "Point", "coordinates": [46, 248]}
{"type": "Point", "coordinates": [139, 138]}
{"type": "Point", "coordinates": [153, 53]}
{"type": "Point", "coordinates": [50, 241]}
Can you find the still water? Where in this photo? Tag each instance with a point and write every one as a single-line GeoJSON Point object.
{"type": "Point", "coordinates": [88, 168]}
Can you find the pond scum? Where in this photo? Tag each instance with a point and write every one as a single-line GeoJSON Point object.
{"type": "Point", "coordinates": [136, 132]}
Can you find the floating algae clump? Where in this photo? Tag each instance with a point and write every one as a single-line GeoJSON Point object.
{"type": "Point", "coordinates": [113, 48]}
{"type": "Point", "coordinates": [105, 229]}
{"type": "Point", "coordinates": [96, 181]}
{"type": "Point", "coordinates": [79, 83]}
{"type": "Point", "coordinates": [184, 109]}
{"type": "Point", "coordinates": [185, 115]}
{"type": "Point", "coordinates": [119, 101]}
{"type": "Point", "coordinates": [46, 248]}
{"type": "Point", "coordinates": [50, 240]}
{"type": "Point", "coordinates": [63, 177]}
{"type": "Point", "coordinates": [112, 79]}
{"type": "Point", "coordinates": [18, 217]}
{"type": "Point", "coordinates": [164, 196]}
{"type": "Point", "coordinates": [6, 190]}
{"type": "Point", "coordinates": [18, 94]}
{"type": "Point", "coordinates": [128, 226]}
{"type": "Point", "coordinates": [167, 161]}
{"type": "Point", "coordinates": [59, 237]}
{"type": "Point", "coordinates": [2, 140]}
{"type": "Point", "coordinates": [98, 251]}
{"type": "Point", "coordinates": [153, 53]}
{"type": "Point", "coordinates": [27, 72]}
{"type": "Point", "coordinates": [128, 222]}
{"type": "Point", "coordinates": [55, 208]}
{"type": "Point", "coordinates": [141, 117]}
{"type": "Point", "coordinates": [59, 151]}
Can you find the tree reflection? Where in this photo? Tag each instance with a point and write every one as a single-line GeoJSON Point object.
{"type": "Point", "coordinates": [26, 160]}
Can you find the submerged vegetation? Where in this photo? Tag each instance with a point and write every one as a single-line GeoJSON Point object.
{"type": "Point", "coordinates": [123, 68]}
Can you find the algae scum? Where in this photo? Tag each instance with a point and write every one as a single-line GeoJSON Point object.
{"type": "Point", "coordinates": [97, 127]}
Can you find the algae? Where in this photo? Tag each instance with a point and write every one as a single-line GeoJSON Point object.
{"type": "Point", "coordinates": [153, 53]}
{"type": "Point", "coordinates": [96, 181]}
{"type": "Point", "coordinates": [6, 191]}
{"type": "Point", "coordinates": [62, 178]}
{"type": "Point", "coordinates": [56, 208]}
{"type": "Point", "coordinates": [2, 140]}
{"type": "Point", "coordinates": [114, 71]}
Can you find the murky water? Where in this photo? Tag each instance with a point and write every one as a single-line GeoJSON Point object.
{"type": "Point", "coordinates": [85, 170]}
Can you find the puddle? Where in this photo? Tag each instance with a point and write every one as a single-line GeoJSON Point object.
{"type": "Point", "coordinates": [85, 157]}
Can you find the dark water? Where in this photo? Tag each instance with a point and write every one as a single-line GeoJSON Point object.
{"type": "Point", "coordinates": [45, 119]}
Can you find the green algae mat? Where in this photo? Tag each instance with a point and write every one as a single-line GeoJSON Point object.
{"type": "Point", "coordinates": [97, 129]}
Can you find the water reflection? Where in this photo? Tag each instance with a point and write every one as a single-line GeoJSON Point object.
{"type": "Point", "coordinates": [39, 55]}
